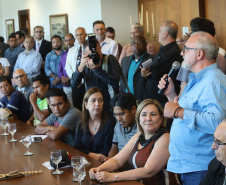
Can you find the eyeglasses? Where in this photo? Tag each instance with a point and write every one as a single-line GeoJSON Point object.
{"type": "Point", "coordinates": [185, 47]}
{"type": "Point", "coordinates": [217, 144]}
{"type": "Point", "coordinates": [38, 31]}
{"type": "Point", "coordinates": [20, 76]}
{"type": "Point", "coordinates": [121, 115]}
{"type": "Point", "coordinates": [68, 40]}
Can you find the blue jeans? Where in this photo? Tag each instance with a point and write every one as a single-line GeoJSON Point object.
{"type": "Point", "coordinates": [193, 178]}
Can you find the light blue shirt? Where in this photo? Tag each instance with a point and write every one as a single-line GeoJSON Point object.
{"type": "Point", "coordinates": [52, 66]}
{"type": "Point", "coordinates": [204, 101]}
{"type": "Point", "coordinates": [11, 55]}
{"type": "Point", "coordinates": [31, 63]}
{"type": "Point", "coordinates": [132, 69]}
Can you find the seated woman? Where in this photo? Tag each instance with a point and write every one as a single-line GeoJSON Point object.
{"type": "Point", "coordinates": [95, 130]}
{"type": "Point", "coordinates": [146, 152]}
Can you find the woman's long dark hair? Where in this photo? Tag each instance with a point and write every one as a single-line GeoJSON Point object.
{"type": "Point", "coordinates": [85, 116]}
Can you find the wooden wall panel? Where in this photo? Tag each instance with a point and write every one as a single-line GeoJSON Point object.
{"type": "Point", "coordinates": [216, 12]}
{"type": "Point", "coordinates": [180, 11]}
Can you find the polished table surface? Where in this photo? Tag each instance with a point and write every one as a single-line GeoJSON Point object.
{"type": "Point", "coordinates": [11, 158]}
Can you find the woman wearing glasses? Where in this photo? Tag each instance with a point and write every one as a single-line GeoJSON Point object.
{"type": "Point", "coordinates": [147, 151]}
{"type": "Point", "coordinates": [95, 130]}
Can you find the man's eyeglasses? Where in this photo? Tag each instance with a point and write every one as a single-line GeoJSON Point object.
{"type": "Point", "coordinates": [121, 115]}
{"type": "Point", "coordinates": [217, 144]}
{"type": "Point", "coordinates": [187, 48]}
{"type": "Point", "coordinates": [20, 76]}
{"type": "Point", "coordinates": [38, 31]}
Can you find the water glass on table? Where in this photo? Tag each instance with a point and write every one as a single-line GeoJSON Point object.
{"type": "Point", "coordinates": [76, 163]}
{"type": "Point", "coordinates": [12, 131]}
{"type": "Point", "coordinates": [4, 124]}
{"type": "Point", "coordinates": [56, 157]}
{"type": "Point", "coordinates": [79, 173]}
{"type": "Point", "coordinates": [26, 140]}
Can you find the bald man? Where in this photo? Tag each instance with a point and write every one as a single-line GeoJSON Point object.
{"type": "Point", "coordinates": [199, 111]}
{"type": "Point", "coordinates": [23, 84]}
{"type": "Point", "coordinates": [217, 167]}
{"type": "Point", "coordinates": [168, 53]}
{"type": "Point", "coordinates": [73, 60]}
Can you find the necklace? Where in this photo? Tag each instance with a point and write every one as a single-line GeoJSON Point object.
{"type": "Point", "coordinates": [96, 126]}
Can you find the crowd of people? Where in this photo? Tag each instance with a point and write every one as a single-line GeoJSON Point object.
{"type": "Point", "coordinates": [102, 99]}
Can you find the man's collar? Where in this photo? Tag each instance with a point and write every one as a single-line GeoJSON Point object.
{"type": "Point", "coordinates": [133, 57]}
{"type": "Point", "coordinates": [201, 73]}
{"type": "Point", "coordinates": [39, 41]}
{"type": "Point", "coordinates": [167, 46]}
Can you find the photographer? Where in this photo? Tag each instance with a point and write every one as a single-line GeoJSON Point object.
{"type": "Point", "coordinates": [91, 70]}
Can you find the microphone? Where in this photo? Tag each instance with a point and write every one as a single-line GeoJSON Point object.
{"type": "Point", "coordinates": [172, 72]}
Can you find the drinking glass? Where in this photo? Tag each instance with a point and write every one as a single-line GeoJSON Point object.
{"type": "Point", "coordinates": [56, 157]}
{"type": "Point", "coordinates": [5, 123]}
{"type": "Point", "coordinates": [26, 140]}
{"type": "Point", "coordinates": [12, 131]}
{"type": "Point", "coordinates": [76, 162]}
{"type": "Point", "coordinates": [81, 173]}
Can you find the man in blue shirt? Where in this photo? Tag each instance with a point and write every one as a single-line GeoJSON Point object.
{"type": "Point", "coordinates": [198, 112]}
{"type": "Point", "coordinates": [12, 53]}
{"type": "Point", "coordinates": [124, 109]}
{"type": "Point", "coordinates": [13, 100]}
{"type": "Point", "coordinates": [29, 60]}
{"type": "Point", "coordinates": [52, 62]}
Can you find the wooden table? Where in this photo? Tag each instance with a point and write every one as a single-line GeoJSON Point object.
{"type": "Point", "coordinates": [11, 158]}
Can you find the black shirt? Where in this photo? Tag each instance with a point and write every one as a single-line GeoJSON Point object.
{"type": "Point", "coordinates": [163, 61]}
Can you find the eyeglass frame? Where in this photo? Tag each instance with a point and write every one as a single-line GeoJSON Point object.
{"type": "Point", "coordinates": [217, 144]}
{"type": "Point", "coordinates": [185, 47]}
{"type": "Point", "coordinates": [20, 76]}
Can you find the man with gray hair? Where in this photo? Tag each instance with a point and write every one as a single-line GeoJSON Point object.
{"type": "Point", "coordinates": [168, 53]}
{"type": "Point", "coordinates": [23, 84]}
{"type": "Point", "coordinates": [198, 112]}
{"type": "Point", "coordinates": [136, 29]}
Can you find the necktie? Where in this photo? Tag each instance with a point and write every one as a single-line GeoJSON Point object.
{"type": "Point", "coordinates": [38, 45]}
{"type": "Point", "coordinates": [79, 56]}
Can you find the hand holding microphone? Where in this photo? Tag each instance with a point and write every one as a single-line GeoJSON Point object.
{"type": "Point", "coordinates": [172, 72]}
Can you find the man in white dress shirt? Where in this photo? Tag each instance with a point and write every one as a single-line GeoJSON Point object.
{"type": "Point", "coordinates": [108, 46]}
{"type": "Point", "coordinates": [73, 60]}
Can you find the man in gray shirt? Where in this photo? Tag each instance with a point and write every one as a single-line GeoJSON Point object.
{"type": "Point", "coordinates": [124, 109]}
{"type": "Point", "coordinates": [61, 123]}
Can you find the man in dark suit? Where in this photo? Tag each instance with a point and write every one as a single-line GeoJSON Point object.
{"type": "Point", "coordinates": [41, 45]}
{"type": "Point", "coordinates": [168, 53]}
{"type": "Point", "coordinates": [3, 46]}
{"type": "Point", "coordinates": [23, 84]}
{"type": "Point", "coordinates": [131, 67]}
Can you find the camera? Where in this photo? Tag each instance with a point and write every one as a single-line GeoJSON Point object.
{"type": "Point", "coordinates": [92, 46]}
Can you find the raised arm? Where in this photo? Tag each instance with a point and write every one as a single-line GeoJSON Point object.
{"type": "Point", "coordinates": [170, 92]}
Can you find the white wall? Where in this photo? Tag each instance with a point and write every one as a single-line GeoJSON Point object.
{"type": "Point", "coordinates": [116, 13]}
{"type": "Point", "coordinates": [82, 13]}
{"type": "Point", "coordinates": [1, 21]}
